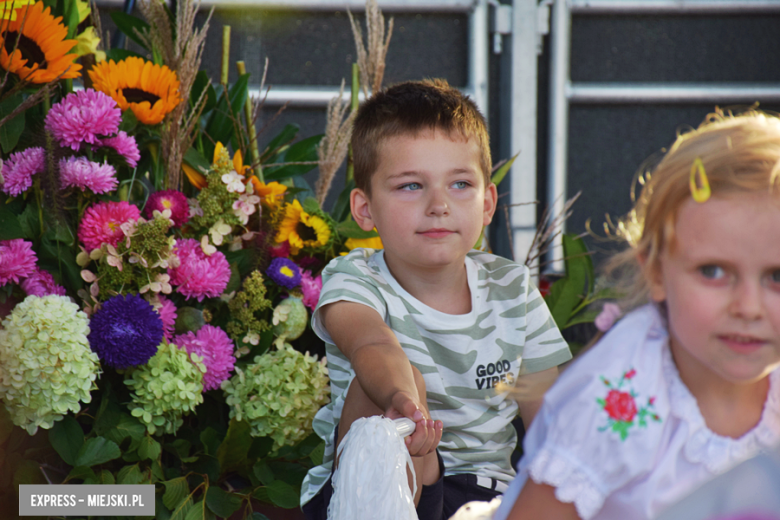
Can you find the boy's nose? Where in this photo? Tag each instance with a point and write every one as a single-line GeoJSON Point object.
{"type": "Point", "coordinates": [746, 302]}
{"type": "Point", "coordinates": [437, 205]}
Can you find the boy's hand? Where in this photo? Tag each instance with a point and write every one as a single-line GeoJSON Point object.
{"type": "Point", "coordinates": [426, 435]}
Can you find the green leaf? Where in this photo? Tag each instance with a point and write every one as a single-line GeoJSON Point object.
{"type": "Point", "coordinates": [287, 134]}
{"type": "Point", "coordinates": [601, 402]}
{"type": "Point", "coordinates": [350, 229]}
{"type": "Point", "coordinates": [197, 511]}
{"type": "Point", "coordinates": [121, 54]}
{"type": "Point", "coordinates": [129, 121]}
{"type": "Point", "coordinates": [202, 82]}
{"type": "Point", "coordinates": [207, 464]}
{"type": "Point", "coordinates": [67, 438]}
{"type": "Point", "coordinates": [258, 516]}
{"type": "Point", "coordinates": [317, 454]}
{"type": "Point", "coordinates": [221, 125]}
{"type": "Point", "coordinates": [176, 491]}
{"type": "Point", "coordinates": [567, 292]}
{"type": "Point", "coordinates": [263, 472]}
{"type": "Point", "coordinates": [341, 210]}
{"type": "Point", "coordinates": [302, 151]}
{"type": "Point", "coordinates": [222, 503]}
{"type": "Point", "coordinates": [97, 450]}
{"type": "Point", "coordinates": [127, 23]}
{"type": "Point", "coordinates": [12, 129]}
{"type": "Point", "coordinates": [235, 447]}
{"type": "Point", "coordinates": [261, 447]}
{"type": "Point", "coordinates": [6, 425]}
{"type": "Point", "coordinates": [28, 472]}
{"type": "Point", "coordinates": [84, 473]}
{"type": "Point", "coordinates": [195, 159]}
{"type": "Point", "coordinates": [500, 173]}
{"type": "Point", "coordinates": [283, 494]}
{"type": "Point", "coordinates": [71, 17]}
{"type": "Point", "coordinates": [106, 477]}
{"type": "Point", "coordinates": [149, 448]}
{"type": "Point", "coordinates": [128, 427]}
{"type": "Point", "coordinates": [210, 439]}
{"type": "Point", "coordinates": [9, 224]}
{"type": "Point", "coordinates": [130, 475]}
{"type": "Point", "coordinates": [582, 317]}
{"type": "Point", "coordinates": [109, 414]}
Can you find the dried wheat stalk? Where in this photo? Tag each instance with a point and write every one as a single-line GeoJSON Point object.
{"type": "Point", "coordinates": [371, 57]}
{"type": "Point", "coordinates": [182, 54]}
{"type": "Point", "coordinates": [548, 229]}
{"type": "Point", "coordinates": [333, 148]}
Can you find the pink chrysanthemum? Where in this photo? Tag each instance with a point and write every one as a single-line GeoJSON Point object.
{"type": "Point", "coordinates": [17, 260]}
{"type": "Point", "coordinates": [199, 276]}
{"type": "Point", "coordinates": [125, 146]}
{"type": "Point", "coordinates": [213, 345]}
{"type": "Point", "coordinates": [173, 200]}
{"type": "Point", "coordinates": [168, 316]}
{"type": "Point", "coordinates": [101, 223]}
{"type": "Point", "coordinates": [83, 116]}
{"type": "Point", "coordinates": [80, 172]}
{"type": "Point", "coordinates": [311, 288]}
{"type": "Point", "coordinates": [19, 168]}
{"type": "Point", "coordinates": [41, 283]}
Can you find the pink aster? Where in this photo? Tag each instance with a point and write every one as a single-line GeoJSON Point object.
{"type": "Point", "coordinates": [167, 312]}
{"type": "Point", "coordinates": [19, 168]}
{"type": "Point", "coordinates": [280, 250]}
{"type": "Point", "coordinates": [17, 260]}
{"type": "Point", "coordinates": [172, 200]}
{"type": "Point", "coordinates": [125, 146]}
{"type": "Point", "coordinates": [80, 172]}
{"type": "Point", "coordinates": [213, 345]}
{"type": "Point", "coordinates": [311, 289]}
{"type": "Point", "coordinates": [83, 116]}
{"type": "Point", "coordinates": [199, 276]}
{"type": "Point", "coordinates": [41, 283]}
{"type": "Point", "coordinates": [101, 223]}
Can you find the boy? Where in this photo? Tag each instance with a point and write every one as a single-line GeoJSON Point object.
{"type": "Point", "coordinates": [427, 327]}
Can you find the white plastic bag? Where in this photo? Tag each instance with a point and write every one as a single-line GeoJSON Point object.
{"type": "Point", "coordinates": [371, 479]}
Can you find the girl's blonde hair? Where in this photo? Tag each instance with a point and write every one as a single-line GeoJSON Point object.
{"type": "Point", "coordinates": [740, 152]}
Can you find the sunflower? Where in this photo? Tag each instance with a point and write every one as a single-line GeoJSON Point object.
{"type": "Point", "coordinates": [371, 243]}
{"type": "Point", "coordinates": [9, 8]}
{"type": "Point", "coordinates": [41, 50]}
{"type": "Point", "coordinates": [301, 229]}
{"type": "Point", "coordinates": [150, 91]}
{"type": "Point", "coordinates": [271, 193]}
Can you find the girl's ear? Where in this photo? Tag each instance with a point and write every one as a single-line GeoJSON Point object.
{"type": "Point", "coordinates": [653, 273]}
{"type": "Point", "coordinates": [359, 203]}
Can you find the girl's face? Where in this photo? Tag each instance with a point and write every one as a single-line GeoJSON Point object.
{"type": "Point", "coordinates": [721, 285]}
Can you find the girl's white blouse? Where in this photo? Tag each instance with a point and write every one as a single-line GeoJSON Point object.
{"type": "Point", "coordinates": [620, 435]}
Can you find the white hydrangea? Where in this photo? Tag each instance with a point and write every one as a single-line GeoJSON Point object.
{"type": "Point", "coordinates": [47, 368]}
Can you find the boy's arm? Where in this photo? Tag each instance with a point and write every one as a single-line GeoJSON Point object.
{"type": "Point", "coordinates": [529, 391]}
{"type": "Point", "coordinates": [381, 366]}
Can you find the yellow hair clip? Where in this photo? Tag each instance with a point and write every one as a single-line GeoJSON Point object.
{"type": "Point", "coordinates": [700, 188]}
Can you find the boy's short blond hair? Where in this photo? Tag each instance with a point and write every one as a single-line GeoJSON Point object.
{"type": "Point", "coordinates": [410, 108]}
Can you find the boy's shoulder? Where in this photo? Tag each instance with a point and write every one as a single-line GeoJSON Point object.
{"type": "Point", "coordinates": [360, 262]}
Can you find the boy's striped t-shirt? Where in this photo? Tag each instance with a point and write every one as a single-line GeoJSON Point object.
{"type": "Point", "coordinates": [461, 357]}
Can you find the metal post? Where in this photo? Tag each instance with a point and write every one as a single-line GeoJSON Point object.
{"type": "Point", "coordinates": [559, 121]}
{"type": "Point", "coordinates": [478, 55]}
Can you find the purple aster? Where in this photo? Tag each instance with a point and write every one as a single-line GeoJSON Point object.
{"type": "Point", "coordinates": [125, 332]}
{"type": "Point", "coordinates": [284, 272]}
{"type": "Point", "coordinates": [214, 346]}
{"type": "Point", "coordinates": [17, 260]}
{"type": "Point", "coordinates": [83, 116]}
{"type": "Point", "coordinates": [125, 146]}
{"type": "Point", "coordinates": [41, 283]}
{"type": "Point", "coordinates": [80, 172]}
{"type": "Point", "coordinates": [19, 168]}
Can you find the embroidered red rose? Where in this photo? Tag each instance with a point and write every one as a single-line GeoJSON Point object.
{"type": "Point", "coordinates": [620, 406]}
{"type": "Point", "coordinates": [630, 374]}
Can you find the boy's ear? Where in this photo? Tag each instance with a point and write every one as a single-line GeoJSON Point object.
{"type": "Point", "coordinates": [361, 211]}
{"type": "Point", "coordinates": [491, 201]}
{"type": "Point", "coordinates": [654, 275]}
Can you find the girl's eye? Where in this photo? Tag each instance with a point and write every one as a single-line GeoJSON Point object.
{"type": "Point", "coordinates": [412, 186]}
{"type": "Point", "coordinates": [712, 272]}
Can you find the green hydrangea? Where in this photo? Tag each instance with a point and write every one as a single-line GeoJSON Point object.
{"type": "Point", "coordinates": [279, 394]}
{"type": "Point", "coordinates": [244, 306]}
{"type": "Point", "coordinates": [290, 318]}
{"type": "Point", "coordinates": [46, 366]}
{"type": "Point", "coordinates": [168, 386]}
{"type": "Point", "coordinates": [214, 199]}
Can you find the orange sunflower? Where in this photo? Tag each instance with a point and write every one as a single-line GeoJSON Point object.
{"type": "Point", "coordinates": [42, 51]}
{"type": "Point", "coordinates": [150, 91]}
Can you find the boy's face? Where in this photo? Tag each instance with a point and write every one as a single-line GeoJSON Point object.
{"type": "Point", "coordinates": [428, 200]}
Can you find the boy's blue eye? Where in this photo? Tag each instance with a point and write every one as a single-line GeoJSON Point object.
{"type": "Point", "coordinates": [461, 185]}
{"type": "Point", "coordinates": [412, 186]}
{"type": "Point", "coordinates": [775, 276]}
{"type": "Point", "coordinates": [712, 272]}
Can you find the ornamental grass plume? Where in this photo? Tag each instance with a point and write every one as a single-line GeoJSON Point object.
{"type": "Point", "coordinates": [41, 283]}
{"type": "Point", "coordinates": [371, 58]}
{"type": "Point", "coordinates": [167, 387]}
{"type": "Point", "coordinates": [17, 260]}
{"type": "Point", "coordinates": [125, 331]}
{"type": "Point", "coordinates": [214, 347]}
{"type": "Point", "coordinates": [333, 147]}
{"type": "Point", "coordinates": [81, 173]}
{"type": "Point", "coordinates": [102, 223]}
{"type": "Point", "coordinates": [19, 168]}
{"type": "Point", "coordinates": [46, 366]}
{"type": "Point", "coordinates": [82, 117]}
{"type": "Point", "coordinates": [279, 394]}
{"type": "Point", "coordinates": [125, 145]}
{"type": "Point", "coordinates": [199, 276]}
{"type": "Point", "coordinates": [173, 200]}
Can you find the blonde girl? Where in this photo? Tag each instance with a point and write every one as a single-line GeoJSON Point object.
{"type": "Point", "coordinates": [687, 385]}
